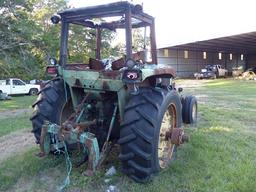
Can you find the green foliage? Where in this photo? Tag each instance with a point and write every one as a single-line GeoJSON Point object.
{"type": "Point", "coordinates": [16, 39]}
{"type": "Point", "coordinates": [28, 39]}
{"type": "Point", "coordinates": [138, 41]}
{"type": "Point", "coordinates": [82, 44]}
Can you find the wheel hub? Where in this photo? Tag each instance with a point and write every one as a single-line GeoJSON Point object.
{"type": "Point", "coordinates": [177, 136]}
{"type": "Point", "coordinates": [169, 136]}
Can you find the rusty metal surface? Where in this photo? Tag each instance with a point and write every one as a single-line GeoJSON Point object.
{"type": "Point", "coordinates": [71, 135]}
{"type": "Point", "coordinates": [164, 70]}
{"type": "Point", "coordinates": [111, 9]}
{"type": "Point", "coordinates": [118, 64]}
{"type": "Point", "coordinates": [96, 64]}
{"type": "Point", "coordinates": [98, 43]}
{"type": "Point", "coordinates": [134, 17]}
{"type": "Point", "coordinates": [153, 42]}
{"type": "Point", "coordinates": [111, 74]}
{"type": "Point", "coordinates": [157, 71]}
{"type": "Point", "coordinates": [91, 143]}
{"type": "Point", "coordinates": [165, 146]}
{"type": "Point", "coordinates": [176, 136]}
{"type": "Point", "coordinates": [44, 149]}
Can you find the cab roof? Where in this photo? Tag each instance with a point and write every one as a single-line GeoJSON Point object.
{"type": "Point", "coordinates": [83, 15]}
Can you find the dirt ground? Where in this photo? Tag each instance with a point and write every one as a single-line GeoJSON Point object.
{"type": "Point", "coordinates": [16, 142]}
{"type": "Point", "coordinates": [13, 113]}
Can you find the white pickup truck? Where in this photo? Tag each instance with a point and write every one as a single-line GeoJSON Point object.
{"type": "Point", "coordinates": [15, 86]}
{"type": "Point", "coordinates": [212, 71]}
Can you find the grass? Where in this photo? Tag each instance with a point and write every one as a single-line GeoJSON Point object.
{"type": "Point", "coordinates": [17, 102]}
{"type": "Point", "coordinates": [23, 166]}
{"type": "Point", "coordinates": [15, 121]}
{"type": "Point", "coordinates": [9, 125]}
{"type": "Point", "coordinates": [219, 157]}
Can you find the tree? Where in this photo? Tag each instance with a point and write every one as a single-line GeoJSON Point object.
{"type": "Point", "coordinates": [25, 36]}
{"type": "Point", "coordinates": [15, 38]}
{"type": "Point", "coordinates": [139, 39]}
{"type": "Point", "coordinates": [28, 39]}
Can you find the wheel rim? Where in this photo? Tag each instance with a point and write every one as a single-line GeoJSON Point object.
{"type": "Point", "coordinates": [194, 112]}
{"type": "Point", "coordinates": [165, 147]}
{"type": "Point", "coordinates": [33, 92]}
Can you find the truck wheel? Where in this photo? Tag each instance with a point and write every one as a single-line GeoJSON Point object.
{"type": "Point", "coordinates": [51, 105]}
{"type": "Point", "coordinates": [33, 91]}
{"type": "Point", "coordinates": [189, 109]}
{"type": "Point", "coordinates": [148, 116]}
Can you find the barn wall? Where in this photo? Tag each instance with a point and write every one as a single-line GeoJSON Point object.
{"type": "Point", "coordinates": [251, 61]}
{"type": "Point", "coordinates": [186, 67]}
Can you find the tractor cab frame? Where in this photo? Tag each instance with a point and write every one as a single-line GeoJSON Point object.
{"type": "Point", "coordinates": [129, 17]}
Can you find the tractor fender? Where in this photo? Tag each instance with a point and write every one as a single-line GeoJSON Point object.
{"type": "Point", "coordinates": [158, 71]}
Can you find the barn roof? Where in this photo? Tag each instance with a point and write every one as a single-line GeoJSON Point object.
{"type": "Point", "coordinates": [243, 43]}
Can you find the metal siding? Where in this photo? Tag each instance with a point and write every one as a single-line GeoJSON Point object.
{"type": "Point", "coordinates": [195, 61]}
{"type": "Point", "coordinates": [251, 61]}
{"type": "Point", "coordinates": [238, 44]}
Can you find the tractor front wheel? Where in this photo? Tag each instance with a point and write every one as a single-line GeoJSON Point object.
{"type": "Point", "coordinates": [148, 118]}
{"type": "Point", "coordinates": [189, 109]}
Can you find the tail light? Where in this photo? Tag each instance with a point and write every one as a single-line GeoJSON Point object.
{"type": "Point", "coordinates": [132, 76]}
{"type": "Point", "coordinates": [52, 70]}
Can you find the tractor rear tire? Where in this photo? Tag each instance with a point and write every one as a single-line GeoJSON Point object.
{"type": "Point", "coordinates": [49, 106]}
{"type": "Point", "coordinates": [189, 110]}
{"type": "Point", "coordinates": [141, 131]}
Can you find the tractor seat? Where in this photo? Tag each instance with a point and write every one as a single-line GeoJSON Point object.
{"type": "Point", "coordinates": [118, 64]}
{"type": "Point", "coordinates": [96, 64]}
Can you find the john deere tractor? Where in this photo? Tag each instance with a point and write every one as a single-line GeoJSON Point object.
{"type": "Point", "coordinates": [130, 101]}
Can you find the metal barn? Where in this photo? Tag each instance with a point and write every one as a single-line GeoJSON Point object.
{"type": "Point", "coordinates": [231, 51]}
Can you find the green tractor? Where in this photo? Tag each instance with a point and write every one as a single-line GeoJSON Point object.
{"type": "Point", "coordinates": [133, 102]}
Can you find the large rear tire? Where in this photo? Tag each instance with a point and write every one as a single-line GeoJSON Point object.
{"type": "Point", "coordinates": [144, 147]}
{"type": "Point", "coordinates": [51, 105]}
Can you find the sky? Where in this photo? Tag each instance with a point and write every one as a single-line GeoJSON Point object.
{"type": "Point", "coordinates": [184, 21]}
